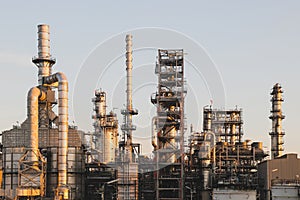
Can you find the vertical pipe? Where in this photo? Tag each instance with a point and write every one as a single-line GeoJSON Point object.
{"type": "Point", "coordinates": [33, 97]}
{"type": "Point", "coordinates": [62, 189]}
{"type": "Point", "coordinates": [63, 130]}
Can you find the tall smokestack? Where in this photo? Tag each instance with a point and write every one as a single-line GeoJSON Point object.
{"type": "Point", "coordinates": [128, 184]}
{"type": "Point", "coordinates": [129, 93]}
{"type": "Point", "coordinates": [276, 117]}
{"type": "Point", "coordinates": [128, 127]}
{"type": "Point", "coordinates": [129, 70]}
{"type": "Point", "coordinates": [43, 61]}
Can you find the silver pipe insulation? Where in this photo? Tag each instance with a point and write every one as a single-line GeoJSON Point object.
{"type": "Point", "coordinates": [62, 129]}
{"type": "Point", "coordinates": [33, 97]}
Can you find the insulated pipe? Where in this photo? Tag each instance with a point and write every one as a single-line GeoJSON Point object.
{"type": "Point", "coordinates": [62, 129]}
{"type": "Point", "coordinates": [33, 97]}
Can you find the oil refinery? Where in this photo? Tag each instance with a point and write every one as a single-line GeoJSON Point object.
{"type": "Point", "coordinates": [47, 158]}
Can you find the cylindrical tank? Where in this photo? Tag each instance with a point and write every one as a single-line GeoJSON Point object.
{"type": "Point", "coordinates": [110, 145]}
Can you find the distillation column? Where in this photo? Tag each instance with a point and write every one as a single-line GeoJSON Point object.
{"type": "Point", "coordinates": [105, 137]}
{"type": "Point", "coordinates": [276, 117]}
{"type": "Point", "coordinates": [128, 169]}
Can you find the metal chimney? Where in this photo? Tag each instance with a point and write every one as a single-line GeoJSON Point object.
{"type": "Point", "coordinates": [43, 61]}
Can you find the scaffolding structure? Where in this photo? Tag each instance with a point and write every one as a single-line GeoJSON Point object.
{"type": "Point", "coordinates": [227, 125]}
{"type": "Point", "coordinates": [218, 159]}
{"type": "Point", "coordinates": [168, 140]}
{"type": "Point", "coordinates": [235, 160]}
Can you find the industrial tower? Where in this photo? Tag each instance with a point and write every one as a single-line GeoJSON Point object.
{"type": "Point", "coordinates": [168, 136]}
{"type": "Point", "coordinates": [128, 167]}
{"type": "Point", "coordinates": [105, 137]}
{"type": "Point", "coordinates": [276, 117]}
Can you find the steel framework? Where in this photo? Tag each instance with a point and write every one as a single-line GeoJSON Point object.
{"type": "Point", "coordinates": [168, 139]}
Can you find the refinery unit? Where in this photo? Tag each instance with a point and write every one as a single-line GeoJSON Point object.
{"type": "Point", "coordinates": [46, 158]}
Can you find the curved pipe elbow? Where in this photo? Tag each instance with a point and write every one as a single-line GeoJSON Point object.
{"type": "Point", "coordinates": [33, 96]}
{"type": "Point", "coordinates": [57, 77]}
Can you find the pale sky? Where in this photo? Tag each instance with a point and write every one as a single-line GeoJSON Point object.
{"type": "Point", "coordinates": [249, 46]}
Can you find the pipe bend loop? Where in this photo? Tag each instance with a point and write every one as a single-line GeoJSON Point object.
{"type": "Point", "coordinates": [57, 77]}
{"type": "Point", "coordinates": [35, 92]}
{"type": "Point", "coordinates": [62, 126]}
{"type": "Point", "coordinates": [34, 95]}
